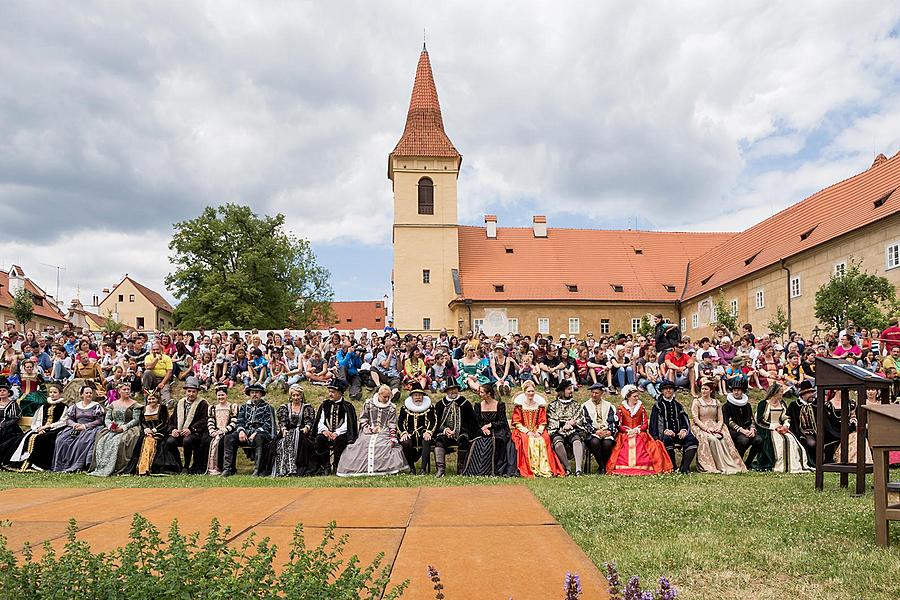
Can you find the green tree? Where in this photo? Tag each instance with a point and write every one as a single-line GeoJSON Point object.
{"type": "Point", "coordinates": [778, 324]}
{"type": "Point", "coordinates": [724, 318]}
{"type": "Point", "coordinates": [646, 327]}
{"type": "Point", "coordinates": [856, 295]}
{"type": "Point", "coordinates": [110, 325]}
{"type": "Point", "coordinates": [23, 306]}
{"type": "Point", "coordinates": [234, 269]}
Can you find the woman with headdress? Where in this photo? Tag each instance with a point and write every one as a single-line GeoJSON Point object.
{"type": "Point", "coordinates": [75, 444]}
{"type": "Point", "coordinates": [376, 450]}
{"type": "Point", "coordinates": [716, 452]}
{"type": "Point", "coordinates": [155, 425]}
{"type": "Point", "coordinates": [636, 452]}
{"type": "Point", "coordinates": [534, 452]}
{"type": "Point", "coordinates": [781, 451]}
{"type": "Point", "coordinates": [36, 449]}
{"type": "Point", "coordinates": [10, 412]}
{"type": "Point", "coordinates": [31, 388]}
{"type": "Point", "coordinates": [294, 447]}
{"type": "Point", "coordinates": [489, 450]}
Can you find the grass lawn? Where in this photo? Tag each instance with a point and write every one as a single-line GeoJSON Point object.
{"type": "Point", "coordinates": [757, 535]}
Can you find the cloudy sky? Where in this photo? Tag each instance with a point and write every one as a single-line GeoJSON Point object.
{"type": "Point", "coordinates": [118, 119]}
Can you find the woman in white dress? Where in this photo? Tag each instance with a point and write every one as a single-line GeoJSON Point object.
{"type": "Point", "coordinates": [781, 451]}
{"type": "Point", "coordinates": [377, 450]}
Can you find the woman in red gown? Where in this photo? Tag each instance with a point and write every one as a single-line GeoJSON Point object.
{"type": "Point", "coordinates": [635, 452]}
{"type": "Point", "coordinates": [534, 453]}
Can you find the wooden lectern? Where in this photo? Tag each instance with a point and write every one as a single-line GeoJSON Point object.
{"type": "Point", "coordinates": [884, 436]}
{"type": "Point", "coordinates": [843, 376]}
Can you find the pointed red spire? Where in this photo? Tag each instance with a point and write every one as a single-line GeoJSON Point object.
{"type": "Point", "coordinates": [424, 134]}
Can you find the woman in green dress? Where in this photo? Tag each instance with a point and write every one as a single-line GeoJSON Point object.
{"type": "Point", "coordinates": [471, 369]}
{"type": "Point", "coordinates": [781, 450]}
{"type": "Point", "coordinates": [116, 442]}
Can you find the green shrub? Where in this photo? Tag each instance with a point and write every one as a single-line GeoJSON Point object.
{"type": "Point", "coordinates": [182, 567]}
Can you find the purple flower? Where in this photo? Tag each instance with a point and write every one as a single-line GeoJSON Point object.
{"type": "Point", "coordinates": [632, 589]}
{"type": "Point", "coordinates": [666, 591]}
{"type": "Point", "coordinates": [615, 584]}
{"type": "Point", "coordinates": [572, 586]}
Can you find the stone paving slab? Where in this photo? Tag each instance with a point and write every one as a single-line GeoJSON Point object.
{"type": "Point", "coordinates": [486, 541]}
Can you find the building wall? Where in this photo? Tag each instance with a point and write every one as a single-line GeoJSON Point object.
{"type": "Point", "coordinates": [424, 242]}
{"type": "Point", "coordinates": [814, 268]}
{"type": "Point", "coordinates": [133, 305]}
{"type": "Point", "coordinates": [37, 324]}
{"type": "Point", "coordinates": [589, 315]}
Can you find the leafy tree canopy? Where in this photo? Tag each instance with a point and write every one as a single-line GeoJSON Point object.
{"type": "Point", "coordinates": [856, 295]}
{"type": "Point", "coordinates": [234, 270]}
{"type": "Point", "coordinates": [23, 306]}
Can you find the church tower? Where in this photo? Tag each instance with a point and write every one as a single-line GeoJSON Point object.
{"type": "Point", "coordinates": [423, 168]}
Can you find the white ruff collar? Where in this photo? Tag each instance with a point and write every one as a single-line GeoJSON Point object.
{"type": "Point", "coordinates": [420, 408]}
{"type": "Point", "coordinates": [376, 403]}
{"type": "Point", "coordinates": [520, 400]}
{"type": "Point", "coordinates": [737, 402]}
{"type": "Point", "coordinates": [632, 409]}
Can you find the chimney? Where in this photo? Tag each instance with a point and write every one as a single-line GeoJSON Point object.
{"type": "Point", "coordinates": [539, 224]}
{"type": "Point", "coordinates": [16, 279]}
{"type": "Point", "coordinates": [490, 222]}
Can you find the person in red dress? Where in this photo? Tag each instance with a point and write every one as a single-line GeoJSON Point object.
{"type": "Point", "coordinates": [534, 452]}
{"type": "Point", "coordinates": [635, 452]}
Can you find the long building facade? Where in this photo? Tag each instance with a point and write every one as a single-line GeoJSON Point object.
{"type": "Point", "coordinates": [577, 281]}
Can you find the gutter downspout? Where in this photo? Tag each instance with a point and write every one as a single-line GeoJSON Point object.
{"type": "Point", "coordinates": [468, 303]}
{"type": "Point", "coordinates": [687, 274]}
{"type": "Point", "coordinates": [788, 298]}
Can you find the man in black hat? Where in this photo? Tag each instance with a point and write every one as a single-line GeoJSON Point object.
{"type": "Point", "coordinates": [669, 424]}
{"type": "Point", "coordinates": [455, 427]}
{"type": "Point", "coordinates": [565, 425]}
{"type": "Point", "coordinates": [802, 415]}
{"type": "Point", "coordinates": [602, 423]}
{"type": "Point", "coordinates": [738, 417]}
{"type": "Point", "coordinates": [415, 425]}
{"type": "Point", "coordinates": [255, 428]}
{"type": "Point", "coordinates": [336, 426]}
{"type": "Point", "coordinates": [188, 430]}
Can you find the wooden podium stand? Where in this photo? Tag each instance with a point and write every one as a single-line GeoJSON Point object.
{"type": "Point", "coordinates": [884, 436]}
{"type": "Point", "coordinates": [842, 376]}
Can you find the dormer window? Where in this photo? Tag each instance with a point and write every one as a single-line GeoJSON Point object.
{"type": "Point", "coordinates": [508, 250]}
{"type": "Point", "coordinates": [618, 288]}
{"type": "Point", "coordinates": [669, 288]}
{"type": "Point", "coordinates": [880, 202]}
{"type": "Point", "coordinates": [706, 280]}
{"type": "Point", "coordinates": [426, 196]}
{"type": "Point", "coordinates": [572, 287]}
{"type": "Point", "coordinates": [750, 260]}
{"type": "Point", "coordinates": [498, 287]}
{"type": "Point", "coordinates": [807, 233]}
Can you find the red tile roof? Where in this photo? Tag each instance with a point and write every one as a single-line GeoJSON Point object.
{"type": "Point", "coordinates": [424, 133]}
{"type": "Point", "coordinates": [839, 209]}
{"type": "Point", "coordinates": [364, 314]}
{"type": "Point", "coordinates": [47, 310]}
{"type": "Point", "coordinates": [153, 297]}
{"type": "Point", "coordinates": [642, 262]}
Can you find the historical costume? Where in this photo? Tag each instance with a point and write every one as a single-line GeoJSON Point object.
{"type": "Point", "coordinates": [31, 390]}
{"type": "Point", "coordinates": [534, 452]}
{"type": "Point", "coordinates": [802, 415]}
{"type": "Point", "coordinates": [781, 451]}
{"type": "Point", "coordinates": [476, 370]}
{"type": "Point", "coordinates": [335, 427]}
{"type": "Point", "coordinates": [491, 451]}
{"type": "Point", "coordinates": [636, 452]}
{"type": "Point", "coordinates": [669, 415]}
{"type": "Point", "coordinates": [376, 450]}
{"type": "Point", "coordinates": [715, 452]}
{"type": "Point", "coordinates": [75, 443]}
{"type": "Point", "coordinates": [35, 451]}
{"type": "Point", "coordinates": [255, 422]}
{"type": "Point", "coordinates": [601, 421]}
{"type": "Point", "coordinates": [220, 422]}
{"type": "Point", "coordinates": [738, 418]}
{"type": "Point", "coordinates": [455, 429]}
{"type": "Point", "coordinates": [155, 425]}
{"type": "Point", "coordinates": [187, 429]}
{"type": "Point", "coordinates": [115, 443]}
{"type": "Point", "coordinates": [415, 426]}
{"type": "Point", "coordinates": [295, 447]}
{"type": "Point", "coordinates": [10, 433]}
{"type": "Point", "coordinates": [565, 424]}
{"type": "Point", "coordinates": [833, 432]}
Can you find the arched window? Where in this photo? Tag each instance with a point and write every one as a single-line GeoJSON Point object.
{"type": "Point", "coordinates": [426, 196]}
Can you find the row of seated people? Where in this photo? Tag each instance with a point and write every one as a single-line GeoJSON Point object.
{"type": "Point", "coordinates": [540, 439]}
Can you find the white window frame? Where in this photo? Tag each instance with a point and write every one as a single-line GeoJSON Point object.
{"type": "Point", "coordinates": [426, 323]}
{"type": "Point", "coordinates": [543, 325]}
{"type": "Point", "coordinates": [477, 325]}
{"type": "Point", "coordinates": [892, 256]}
{"type": "Point", "coordinates": [713, 313]}
{"type": "Point", "coordinates": [796, 289]}
{"type": "Point", "coordinates": [734, 307]}
{"type": "Point", "coordinates": [574, 325]}
{"type": "Point", "coordinates": [604, 326]}
{"type": "Point", "coordinates": [426, 276]}
{"type": "Point", "coordinates": [512, 325]}
{"type": "Point", "coordinates": [683, 323]}
{"type": "Point", "coordinates": [635, 324]}
{"type": "Point", "coordinates": [839, 269]}
{"type": "Point", "coordinates": [695, 321]}
{"type": "Point", "coordinates": [760, 297]}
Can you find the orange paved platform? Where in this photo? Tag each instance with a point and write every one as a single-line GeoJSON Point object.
{"type": "Point", "coordinates": [487, 542]}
